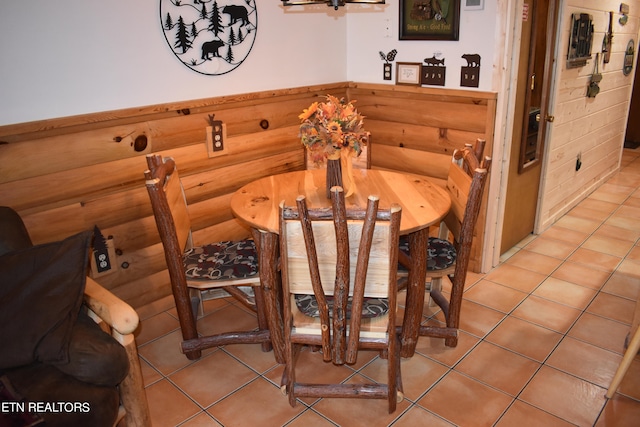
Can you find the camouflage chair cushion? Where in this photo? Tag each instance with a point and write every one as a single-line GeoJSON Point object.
{"type": "Point", "coordinates": [441, 253]}
{"type": "Point", "coordinates": [371, 307]}
{"type": "Point", "coordinates": [222, 261]}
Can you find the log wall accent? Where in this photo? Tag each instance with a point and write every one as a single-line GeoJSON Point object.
{"type": "Point", "coordinates": [69, 174]}
{"type": "Point", "coordinates": [416, 130]}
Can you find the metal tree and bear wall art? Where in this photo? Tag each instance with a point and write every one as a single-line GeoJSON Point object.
{"type": "Point", "coordinates": [210, 37]}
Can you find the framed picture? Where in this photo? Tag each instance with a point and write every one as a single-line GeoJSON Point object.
{"type": "Point", "coordinates": [430, 20]}
{"type": "Point", "coordinates": [408, 73]}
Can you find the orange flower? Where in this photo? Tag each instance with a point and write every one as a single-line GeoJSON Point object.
{"type": "Point", "coordinates": [347, 112]}
{"type": "Point", "coordinates": [334, 126]}
{"type": "Point", "coordinates": [309, 111]}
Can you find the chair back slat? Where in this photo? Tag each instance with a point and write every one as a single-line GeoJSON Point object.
{"type": "Point", "coordinates": [168, 202]}
{"type": "Point", "coordinates": [179, 211]}
{"type": "Point", "coordinates": [361, 268]}
{"type": "Point", "coordinates": [458, 185]}
{"type": "Point", "coordinates": [308, 237]}
{"type": "Point", "coordinates": [342, 283]}
{"type": "Point", "coordinates": [298, 264]}
{"type": "Point", "coordinates": [465, 237]}
{"type": "Point", "coordinates": [465, 184]}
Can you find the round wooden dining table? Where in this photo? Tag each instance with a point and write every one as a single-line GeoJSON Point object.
{"type": "Point", "coordinates": [423, 203]}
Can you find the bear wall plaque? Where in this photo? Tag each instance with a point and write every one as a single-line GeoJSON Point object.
{"type": "Point", "coordinates": [212, 37]}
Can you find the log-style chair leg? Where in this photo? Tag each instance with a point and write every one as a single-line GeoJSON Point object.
{"type": "Point", "coordinates": [629, 355]}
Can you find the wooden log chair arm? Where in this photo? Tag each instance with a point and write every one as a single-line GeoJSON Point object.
{"type": "Point", "coordinates": [122, 321]}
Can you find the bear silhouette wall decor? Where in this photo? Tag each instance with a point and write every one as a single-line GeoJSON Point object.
{"type": "Point", "coordinates": [210, 37]}
{"type": "Point", "coordinates": [470, 74]}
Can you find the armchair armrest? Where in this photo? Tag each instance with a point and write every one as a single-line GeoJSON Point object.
{"type": "Point", "coordinates": [119, 317]}
{"type": "Point", "coordinates": [116, 313]}
{"type": "Point", "coordinates": [123, 321]}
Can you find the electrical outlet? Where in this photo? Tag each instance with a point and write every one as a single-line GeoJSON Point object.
{"type": "Point", "coordinates": [216, 136]}
{"type": "Point", "coordinates": [386, 71]}
{"type": "Point", "coordinates": [103, 259]}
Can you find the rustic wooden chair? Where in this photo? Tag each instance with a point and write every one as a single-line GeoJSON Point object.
{"type": "Point", "coordinates": [230, 265]}
{"type": "Point", "coordinates": [323, 252]}
{"type": "Point", "coordinates": [450, 252]}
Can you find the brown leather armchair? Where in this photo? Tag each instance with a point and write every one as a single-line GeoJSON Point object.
{"type": "Point", "coordinates": [58, 367]}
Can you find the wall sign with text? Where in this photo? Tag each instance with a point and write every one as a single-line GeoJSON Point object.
{"type": "Point", "coordinates": [210, 37]}
{"type": "Point", "coordinates": [429, 19]}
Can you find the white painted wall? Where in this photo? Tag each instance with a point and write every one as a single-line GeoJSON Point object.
{"type": "Point", "coordinates": [81, 56]}
{"type": "Point", "coordinates": [72, 57]}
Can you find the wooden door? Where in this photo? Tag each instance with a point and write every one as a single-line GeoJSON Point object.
{"type": "Point", "coordinates": [632, 136]}
{"type": "Point", "coordinates": [532, 117]}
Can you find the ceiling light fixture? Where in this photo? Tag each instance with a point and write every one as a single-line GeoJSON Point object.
{"type": "Point", "coordinates": [334, 3]}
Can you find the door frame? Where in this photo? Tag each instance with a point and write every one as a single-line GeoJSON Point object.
{"type": "Point", "coordinates": [507, 54]}
{"type": "Point", "coordinates": [552, 71]}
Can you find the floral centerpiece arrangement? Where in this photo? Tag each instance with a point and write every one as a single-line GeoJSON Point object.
{"type": "Point", "coordinates": [331, 126]}
{"type": "Point", "coordinates": [333, 130]}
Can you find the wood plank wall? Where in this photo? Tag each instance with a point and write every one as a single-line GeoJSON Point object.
{"type": "Point", "coordinates": [416, 130]}
{"type": "Point", "coordinates": [69, 174]}
{"type": "Point", "coordinates": [592, 128]}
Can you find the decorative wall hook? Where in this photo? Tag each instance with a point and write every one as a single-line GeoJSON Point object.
{"type": "Point", "coordinates": [624, 11]}
{"type": "Point", "coordinates": [629, 56]}
{"type": "Point", "coordinates": [389, 57]}
{"type": "Point", "coordinates": [386, 67]}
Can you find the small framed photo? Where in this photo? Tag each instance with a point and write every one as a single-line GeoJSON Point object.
{"type": "Point", "coordinates": [408, 73]}
{"type": "Point", "coordinates": [473, 4]}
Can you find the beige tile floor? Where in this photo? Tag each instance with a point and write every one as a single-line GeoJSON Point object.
{"type": "Point", "coordinates": [542, 335]}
